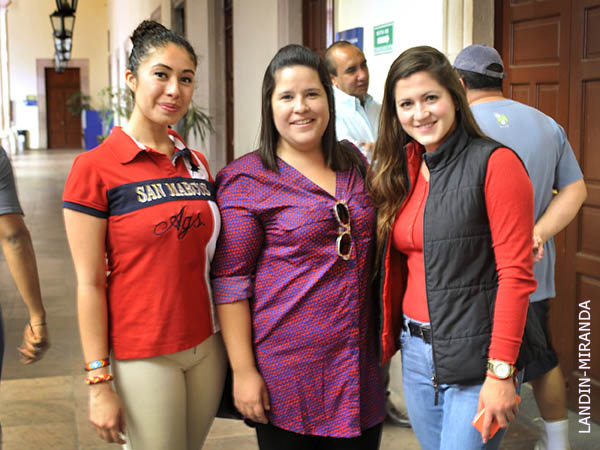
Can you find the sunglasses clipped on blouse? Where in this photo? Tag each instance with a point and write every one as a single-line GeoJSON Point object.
{"type": "Point", "coordinates": [344, 239]}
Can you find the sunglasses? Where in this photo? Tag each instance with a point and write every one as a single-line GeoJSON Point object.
{"type": "Point", "coordinates": [344, 239]}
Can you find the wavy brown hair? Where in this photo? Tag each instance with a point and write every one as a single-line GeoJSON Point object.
{"type": "Point", "coordinates": [387, 176]}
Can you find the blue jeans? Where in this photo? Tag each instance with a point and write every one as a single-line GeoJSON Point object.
{"type": "Point", "coordinates": [447, 425]}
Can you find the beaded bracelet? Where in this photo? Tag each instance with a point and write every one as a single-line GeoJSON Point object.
{"type": "Point", "coordinates": [97, 364]}
{"type": "Point", "coordinates": [99, 378]}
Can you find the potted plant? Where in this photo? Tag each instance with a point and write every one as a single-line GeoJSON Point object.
{"type": "Point", "coordinates": [109, 102]}
{"type": "Point", "coordinates": [196, 121]}
{"type": "Point", "coordinates": [119, 101]}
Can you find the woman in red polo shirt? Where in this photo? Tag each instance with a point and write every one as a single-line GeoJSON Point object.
{"type": "Point", "coordinates": [142, 225]}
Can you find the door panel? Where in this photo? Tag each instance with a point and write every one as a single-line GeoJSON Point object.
{"type": "Point", "coordinates": [537, 41]}
{"type": "Point", "coordinates": [592, 22]}
{"type": "Point", "coordinates": [520, 93]}
{"type": "Point", "coordinates": [56, 135]}
{"type": "Point", "coordinates": [64, 129]}
{"type": "Point", "coordinates": [590, 100]}
{"type": "Point", "coordinates": [547, 98]}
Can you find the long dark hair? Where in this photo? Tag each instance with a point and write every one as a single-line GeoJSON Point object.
{"type": "Point", "coordinates": [386, 178]}
{"type": "Point", "coordinates": [337, 157]}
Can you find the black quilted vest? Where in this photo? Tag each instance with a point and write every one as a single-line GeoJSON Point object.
{"type": "Point", "coordinates": [460, 267]}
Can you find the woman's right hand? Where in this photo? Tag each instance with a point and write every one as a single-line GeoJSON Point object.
{"type": "Point", "coordinates": [106, 413]}
{"type": "Point", "coordinates": [250, 395]}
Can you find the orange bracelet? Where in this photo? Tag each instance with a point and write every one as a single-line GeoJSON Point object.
{"type": "Point", "coordinates": [513, 376]}
{"type": "Point", "coordinates": [491, 375]}
{"type": "Point", "coordinates": [99, 378]}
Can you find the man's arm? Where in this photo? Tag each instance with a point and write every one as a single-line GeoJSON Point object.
{"type": "Point", "coordinates": [20, 257]}
{"type": "Point", "coordinates": [561, 210]}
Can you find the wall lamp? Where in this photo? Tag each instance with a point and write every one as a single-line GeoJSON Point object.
{"type": "Point", "coordinates": [63, 21]}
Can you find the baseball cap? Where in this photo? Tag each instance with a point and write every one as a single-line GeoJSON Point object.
{"type": "Point", "coordinates": [478, 58]}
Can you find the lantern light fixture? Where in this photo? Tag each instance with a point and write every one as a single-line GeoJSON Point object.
{"type": "Point", "coordinates": [60, 64]}
{"type": "Point", "coordinates": [63, 21]}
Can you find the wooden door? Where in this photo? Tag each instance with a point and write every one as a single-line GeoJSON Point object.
{"type": "Point", "coordinates": [228, 13]}
{"type": "Point", "coordinates": [64, 129]}
{"type": "Point", "coordinates": [583, 239]}
{"type": "Point", "coordinates": [551, 50]}
{"type": "Point", "coordinates": [317, 25]}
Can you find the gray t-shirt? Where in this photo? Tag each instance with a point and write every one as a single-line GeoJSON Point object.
{"type": "Point", "coordinates": [543, 146]}
{"type": "Point", "coordinates": [9, 203]}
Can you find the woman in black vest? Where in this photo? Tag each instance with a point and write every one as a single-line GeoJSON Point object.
{"type": "Point", "coordinates": [455, 255]}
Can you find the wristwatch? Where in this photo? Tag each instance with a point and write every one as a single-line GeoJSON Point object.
{"type": "Point", "coordinates": [500, 369]}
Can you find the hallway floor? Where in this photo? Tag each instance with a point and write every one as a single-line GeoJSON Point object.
{"type": "Point", "coordinates": [44, 405]}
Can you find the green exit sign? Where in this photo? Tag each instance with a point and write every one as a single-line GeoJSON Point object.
{"type": "Point", "coordinates": [383, 38]}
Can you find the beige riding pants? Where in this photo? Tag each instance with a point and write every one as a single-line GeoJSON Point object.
{"type": "Point", "coordinates": [170, 401]}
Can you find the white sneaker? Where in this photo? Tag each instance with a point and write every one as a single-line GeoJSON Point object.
{"type": "Point", "coordinates": [541, 444]}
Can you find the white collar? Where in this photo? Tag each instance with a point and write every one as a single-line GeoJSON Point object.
{"type": "Point", "coordinates": [349, 100]}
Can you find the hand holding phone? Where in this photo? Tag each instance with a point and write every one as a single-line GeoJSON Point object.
{"type": "Point", "coordinates": [494, 426]}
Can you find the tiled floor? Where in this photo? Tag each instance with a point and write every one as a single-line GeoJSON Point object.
{"type": "Point", "coordinates": [44, 406]}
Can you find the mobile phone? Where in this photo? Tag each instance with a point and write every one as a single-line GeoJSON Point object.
{"type": "Point", "coordinates": [494, 427]}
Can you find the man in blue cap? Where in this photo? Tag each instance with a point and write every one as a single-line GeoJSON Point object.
{"type": "Point", "coordinates": [543, 146]}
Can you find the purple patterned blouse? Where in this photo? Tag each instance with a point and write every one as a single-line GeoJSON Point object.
{"type": "Point", "coordinates": [312, 316]}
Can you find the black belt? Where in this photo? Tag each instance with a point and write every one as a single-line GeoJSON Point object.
{"type": "Point", "coordinates": [420, 331]}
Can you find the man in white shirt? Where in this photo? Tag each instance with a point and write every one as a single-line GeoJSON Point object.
{"type": "Point", "coordinates": [357, 114]}
{"type": "Point", "coordinates": [357, 120]}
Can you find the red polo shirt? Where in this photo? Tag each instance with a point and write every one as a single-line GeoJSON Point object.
{"type": "Point", "coordinates": [162, 228]}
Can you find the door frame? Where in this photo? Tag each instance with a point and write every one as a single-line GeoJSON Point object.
{"type": "Point", "coordinates": [325, 30]}
{"type": "Point", "coordinates": [84, 82]}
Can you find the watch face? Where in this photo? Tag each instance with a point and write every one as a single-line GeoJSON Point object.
{"type": "Point", "coordinates": [502, 370]}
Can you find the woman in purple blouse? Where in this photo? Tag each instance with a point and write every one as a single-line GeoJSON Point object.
{"type": "Point", "coordinates": [292, 269]}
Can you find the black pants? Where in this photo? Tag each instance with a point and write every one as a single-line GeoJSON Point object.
{"type": "Point", "coordinates": [273, 438]}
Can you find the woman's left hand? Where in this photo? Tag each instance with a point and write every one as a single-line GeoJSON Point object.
{"type": "Point", "coordinates": [35, 342]}
{"type": "Point", "coordinates": [499, 399]}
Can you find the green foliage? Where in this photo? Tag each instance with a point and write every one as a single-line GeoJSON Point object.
{"type": "Point", "coordinates": [109, 102]}
{"type": "Point", "coordinates": [196, 121]}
